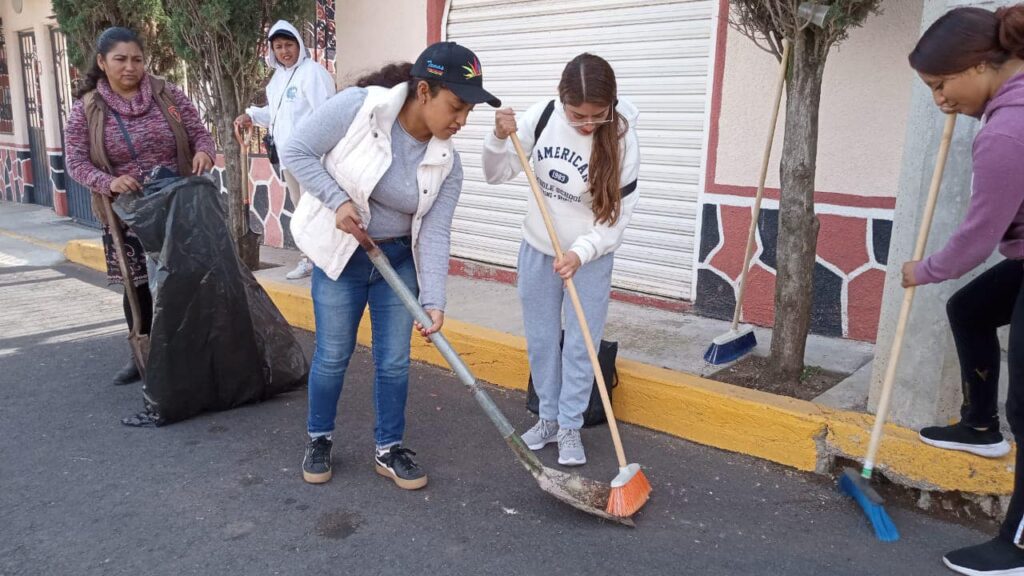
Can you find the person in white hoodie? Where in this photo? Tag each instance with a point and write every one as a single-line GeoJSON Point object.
{"type": "Point", "coordinates": [584, 151]}
{"type": "Point", "coordinates": [299, 86]}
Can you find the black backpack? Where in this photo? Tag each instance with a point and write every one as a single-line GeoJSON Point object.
{"type": "Point", "coordinates": [594, 413]}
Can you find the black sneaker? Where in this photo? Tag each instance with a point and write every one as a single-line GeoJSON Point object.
{"type": "Point", "coordinates": [316, 466]}
{"type": "Point", "coordinates": [993, 558]}
{"type": "Point", "coordinates": [959, 436]}
{"type": "Point", "coordinates": [128, 374]}
{"type": "Point", "coordinates": [397, 464]}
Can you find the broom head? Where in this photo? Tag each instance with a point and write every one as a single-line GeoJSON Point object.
{"type": "Point", "coordinates": [858, 488]}
{"type": "Point", "coordinates": [731, 346]}
{"type": "Point", "coordinates": [630, 491]}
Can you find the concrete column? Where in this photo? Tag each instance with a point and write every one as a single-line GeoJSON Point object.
{"type": "Point", "coordinates": [927, 389]}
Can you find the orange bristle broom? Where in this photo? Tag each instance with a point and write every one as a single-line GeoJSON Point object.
{"type": "Point", "coordinates": [630, 488]}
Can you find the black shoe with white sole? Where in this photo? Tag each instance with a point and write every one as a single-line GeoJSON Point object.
{"type": "Point", "coordinates": [316, 465]}
{"type": "Point", "coordinates": [996, 557]}
{"type": "Point", "coordinates": [398, 465]}
{"type": "Point", "coordinates": [959, 436]}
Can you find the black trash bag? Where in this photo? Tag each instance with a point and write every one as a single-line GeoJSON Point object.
{"type": "Point", "coordinates": [217, 340]}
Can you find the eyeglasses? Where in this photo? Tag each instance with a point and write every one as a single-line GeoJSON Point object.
{"type": "Point", "coordinates": [571, 116]}
{"type": "Point", "coordinates": [589, 123]}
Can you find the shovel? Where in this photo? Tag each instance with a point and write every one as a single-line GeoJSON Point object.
{"type": "Point", "coordinates": [138, 341]}
{"type": "Point", "coordinates": [255, 226]}
{"type": "Point", "coordinates": [576, 491]}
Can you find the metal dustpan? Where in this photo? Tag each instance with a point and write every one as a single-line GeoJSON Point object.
{"type": "Point", "coordinates": [581, 493]}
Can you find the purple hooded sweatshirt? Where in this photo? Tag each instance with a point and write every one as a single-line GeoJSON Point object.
{"type": "Point", "coordinates": [995, 216]}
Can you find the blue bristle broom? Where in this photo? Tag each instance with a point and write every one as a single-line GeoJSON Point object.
{"type": "Point", "coordinates": [858, 485]}
{"type": "Point", "coordinates": [739, 341]}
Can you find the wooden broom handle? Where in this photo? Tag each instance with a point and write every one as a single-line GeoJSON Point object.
{"type": "Point", "coordinates": [756, 210]}
{"type": "Point", "coordinates": [243, 145]}
{"type": "Point", "coordinates": [908, 296]}
{"type": "Point", "coordinates": [581, 318]}
{"type": "Point", "coordinates": [114, 223]}
{"type": "Point", "coordinates": [243, 141]}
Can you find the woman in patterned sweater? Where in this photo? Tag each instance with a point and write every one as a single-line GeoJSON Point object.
{"type": "Point", "coordinates": [147, 124]}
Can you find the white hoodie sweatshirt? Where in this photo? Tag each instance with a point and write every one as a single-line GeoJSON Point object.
{"type": "Point", "coordinates": [291, 98]}
{"type": "Point", "coordinates": [561, 161]}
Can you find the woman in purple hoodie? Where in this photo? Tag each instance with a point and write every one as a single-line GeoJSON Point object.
{"type": "Point", "coordinates": [972, 59]}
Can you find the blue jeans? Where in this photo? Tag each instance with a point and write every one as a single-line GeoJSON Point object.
{"type": "Point", "coordinates": [338, 307]}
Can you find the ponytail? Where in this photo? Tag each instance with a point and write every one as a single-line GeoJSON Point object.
{"type": "Point", "coordinates": [1011, 29]}
{"type": "Point", "coordinates": [396, 73]}
{"type": "Point", "coordinates": [389, 76]}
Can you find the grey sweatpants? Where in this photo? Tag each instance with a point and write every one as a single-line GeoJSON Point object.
{"type": "Point", "coordinates": [562, 379]}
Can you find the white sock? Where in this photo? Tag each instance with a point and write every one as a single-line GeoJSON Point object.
{"type": "Point", "coordinates": [382, 450]}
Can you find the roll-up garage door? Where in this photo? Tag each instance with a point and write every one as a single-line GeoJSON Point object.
{"type": "Point", "coordinates": [660, 51]}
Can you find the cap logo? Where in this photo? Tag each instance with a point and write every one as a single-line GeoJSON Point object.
{"type": "Point", "coordinates": [473, 69]}
{"type": "Point", "coordinates": [435, 69]}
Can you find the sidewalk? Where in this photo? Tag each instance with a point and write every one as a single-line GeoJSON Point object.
{"type": "Point", "coordinates": [662, 338]}
{"type": "Point", "coordinates": [661, 368]}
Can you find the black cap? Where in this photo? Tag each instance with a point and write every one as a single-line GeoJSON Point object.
{"type": "Point", "coordinates": [282, 33]}
{"type": "Point", "coordinates": [458, 68]}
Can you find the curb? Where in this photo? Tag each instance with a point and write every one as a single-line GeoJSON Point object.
{"type": "Point", "coordinates": [796, 433]}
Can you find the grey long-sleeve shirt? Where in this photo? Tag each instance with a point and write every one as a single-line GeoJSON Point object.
{"type": "Point", "coordinates": [394, 200]}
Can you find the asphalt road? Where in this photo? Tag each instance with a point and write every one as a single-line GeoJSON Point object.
{"type": "Point", "coordinates": [223, 493]}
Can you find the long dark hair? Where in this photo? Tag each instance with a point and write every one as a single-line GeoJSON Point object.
{"type": "Point", "coordinates": [104, 44]}
{"type": "Point", "coordinates": [966, 37]}
{"type": "Point", "coordinates": [590, 78]}
{"type": "Point", "coordinates": [393, 74]}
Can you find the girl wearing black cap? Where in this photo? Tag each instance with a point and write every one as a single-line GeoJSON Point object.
{"type": "Point", "coordinates": [298, 86]}
{"type": "Point", "coordinates": [379, 156]}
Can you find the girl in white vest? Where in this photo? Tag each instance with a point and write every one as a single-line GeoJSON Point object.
{"type": "Point", "coordinates": [388, 166]}
{"type": "Point", "coordinates": [584, 151]}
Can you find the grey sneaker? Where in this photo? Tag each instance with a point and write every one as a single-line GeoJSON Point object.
{"type": "Point", "coordinates": [544, 432]}
{"type": "Point", "coordinates": [570, 448]}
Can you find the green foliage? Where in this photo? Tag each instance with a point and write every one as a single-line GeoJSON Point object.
{"type": "Point", "coordinates": [769, 21]}
{"type": "Point", "coordinates": [222, 43]}
{"type": "Point", "coordinates": [809, 372]}
{"type": "Point", "coordinates": [82, 21]}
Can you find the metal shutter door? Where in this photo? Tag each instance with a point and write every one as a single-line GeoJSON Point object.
{"type": "Point", "coordinates": [660, 51]}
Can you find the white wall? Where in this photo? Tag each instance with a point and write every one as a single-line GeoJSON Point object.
{"type": "Point", "coordinates": [372, 33]}
{"type": "Point", "coordinates": [864, 103]}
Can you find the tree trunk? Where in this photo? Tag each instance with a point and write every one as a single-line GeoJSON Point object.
{"type": "Point", "coordinates": [798, 226]}
{"type": "Point", "coordinates": [238, 214]}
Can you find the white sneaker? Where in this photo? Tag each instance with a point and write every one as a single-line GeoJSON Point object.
{"type": "Point", "coordinates": [570, 448]}
{"type": "Point", "coordinates": [302, 270]}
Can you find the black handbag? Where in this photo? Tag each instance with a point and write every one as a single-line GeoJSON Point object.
{"type": "Point", "coordinates": [268, 143]}
{"type": "Point", "coordinates": [594, 413]}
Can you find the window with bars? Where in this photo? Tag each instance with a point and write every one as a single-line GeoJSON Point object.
{"type": "Point", "coordinates": [6, 110]}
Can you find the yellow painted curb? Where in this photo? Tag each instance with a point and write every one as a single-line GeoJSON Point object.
{"type": "Point", "coordinates": [36, 241]}
{"type": "Point", "coordinates": [88, 253]}
{"type": "Point", "coordinates": [792, 432]}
